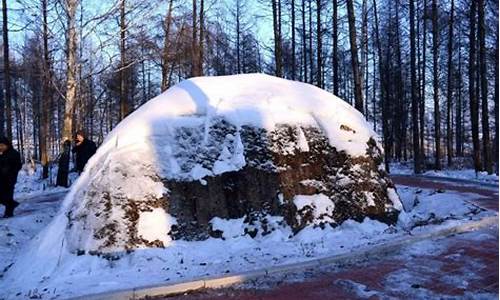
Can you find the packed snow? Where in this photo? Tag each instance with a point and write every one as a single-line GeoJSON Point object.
{"type": "Point", "coordinates": [464, 173]}
{"type": "Point", "coordinates": [259, 100]}
{"type": "Point", "coordinates": [155, 225]}
{"type": "Point", "coordinates": [30, 182]}
{"type": "Point", "coordinates": [320, 205]}
{"type": "Point", "coordinates": [426, 210]}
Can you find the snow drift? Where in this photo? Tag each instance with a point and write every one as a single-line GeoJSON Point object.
{"type": "Point", "coordinates": [267, 151]}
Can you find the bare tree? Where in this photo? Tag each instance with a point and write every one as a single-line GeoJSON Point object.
{"type": "Point", "coordinates": [319, 71]}
{"type": "Point", "coordinates": [358, 82]}
{"type": "Point", "coordinates": [71, 68]}
{"type": "Point", "coordinates": [165, 59]}
{"type": "Point", "coordinates": [310, 39]}
{"type": "Point", "coordinates": [483, 71]}
{"type": "Point", "coordinates": [474, 107]}
{"type": "Point", "coordinates": [195, 54]}
{"type": "Point", "coordinates": [459, 131]}
{"type": "Point", "coordinates": [496, 106]}
{"type": "Point", "coordinates": [414, 100]}
{"type": "Point", "coordinates": [238, 8]}
{"type": "Point", "coordinates": [70, 7]}
{"type": "Point", "coordinates": [277, 39]}
{"type": "Point", "coordinates": [294, 63]}
{"type": "Point", "coordinates": [304, 44]}
{"type": "Point", "coordinates": [201, 38]}
{"type": "Point", "coordinates": [423, 84]}
{"type": "Point", "coordinates": [382, 80]}
{"type": "Point", "coordinates": [124, 92]}
{"type": "Point", "coordinates": [449, 133]}
{"type": "Point", "coordinates": [45, 105]}
{"type": "Point", "coordinates": [6, 63]}
{"type": "Point", "coordinates": [435, 84]}
{"type": "Point", "coordinates": [335, 56]}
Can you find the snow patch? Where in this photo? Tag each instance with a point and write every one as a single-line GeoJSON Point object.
{"type": "Point", "coordinates": [320, 202]}
{"type": "Point", "coordinates": [321, 205]}
{"type": "Point", "coordinates": [393, 196]}
{"type": "Point", "coordinates": [369, 199]}
{"type": "Point", "coordinates": [301, 140]}
{"type": "Point", "coordinates": [231, 228]}
{"type": "Point", "coordinates": [155, 225]}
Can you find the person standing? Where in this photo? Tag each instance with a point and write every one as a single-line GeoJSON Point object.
{"type": "Point", "coordinates": [63, 162]}
{"type": "Point", "coordinates": [83, 149]}
{"type": "Point", "coordinates": [10, 164]}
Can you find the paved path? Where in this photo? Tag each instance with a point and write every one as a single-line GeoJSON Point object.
{"type": "Point", "coordinates": [488, 196]}
{"type": "Point", "coordinates": [462, 266]}
{"type": "Point", "coordinates": [457, 267]}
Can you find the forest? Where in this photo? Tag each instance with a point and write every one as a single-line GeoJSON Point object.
{"type": "Point", "coordinates": [423, 73]}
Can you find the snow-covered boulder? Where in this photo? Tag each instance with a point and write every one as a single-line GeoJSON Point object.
{"type": "Point", "coordinates": [231, 147]}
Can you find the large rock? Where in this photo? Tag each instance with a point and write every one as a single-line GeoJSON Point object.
{"type": "Point", "coordinates": [251, 146]}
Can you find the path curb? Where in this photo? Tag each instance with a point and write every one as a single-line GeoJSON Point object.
{"type": "Point", "coordinates": [228, 280]}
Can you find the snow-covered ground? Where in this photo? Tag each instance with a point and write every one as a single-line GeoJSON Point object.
{"type": "Point", "coordinates": [30, 217]}
{"type": "Point", "coordinates": [467, 174]}
{"type": "Point", "coordinates": [30, 182]}
{"type": "Point", "coordinates": [182, 261]}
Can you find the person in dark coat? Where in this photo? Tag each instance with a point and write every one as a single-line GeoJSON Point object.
{"type": "Point", "coordinates": [10, 164]}
{"type": "Point", "coordinates": [63, 162]}
{"type": "Point", "coordinates": [83, 149]}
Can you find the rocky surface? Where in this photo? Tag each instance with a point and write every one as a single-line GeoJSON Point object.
{"type": "Point", "coordinates": [277, 170]}
{"type": "Point", "coordinates": [273, 152]}
{"type": "Point", "coordinates": [279, 166]}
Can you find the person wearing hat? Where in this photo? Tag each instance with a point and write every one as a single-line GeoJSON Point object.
{"type": "Point", "coordinates": [10, 164]}
{"type": "Point", "coordinates": [83, 149]}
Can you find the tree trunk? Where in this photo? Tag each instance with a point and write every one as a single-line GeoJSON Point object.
{"type": "Point", "coordinates": [335, 59]}
{"type": "Point", "coordinates": [422, 93]}
{"type": "Point", "coordinates": [165, 61]}
{"type": "Point", "coordinates": [311, 57]}
{"type": "Point", "coordinates": [374, 93]}
{"type": "Point", "coordinates": [435, 84]}
{"type": "Point", "coordinates": [201, 37]}
{"type": "Point", "coordinates": [238, 37]}
{"type": "Point", "coordinates": [195, 54]}
{"type": "Point", "coordinates": [294, 64]}
{"type": "Point", "coordinates": [2, 115]}
{"type": "Point", "coordinates": [382, 90]}
{"type": "Point", "coordinates": [483, 72]}
{"type": "Point", "coordinates": [459, 106]}
{"type": "Point", "coordinates": [6, 66]}
{"type": "Point", "coordinates": [19, 123]}
{"type": "Point", "coordinates": [364, 55]}
{"type": "Point", "coordinates": [414, 93]}
{"type": "Point", "coordinates": [44, 109]}
{"type": "Point", "coordinates": [319, 72]}
{"type": "Point", "coordinates": [496, 106]}
{"type": "Point", "coordinates": [124, 97]}
{"type": "Point", "coordinates": [400, 114]}
{"type": "Point", "coordinates": [449, 132]}
{"type": "Point", "coordinates": [358, 83]}
{"type": "Point", "coordinates": [474, 108]}
{"type": "Point", "coordinates": [71, 70]}
{"type": "Point", "coordinates": [277, 41]}
{"type": "Point", "coordinates": [304, 43]}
